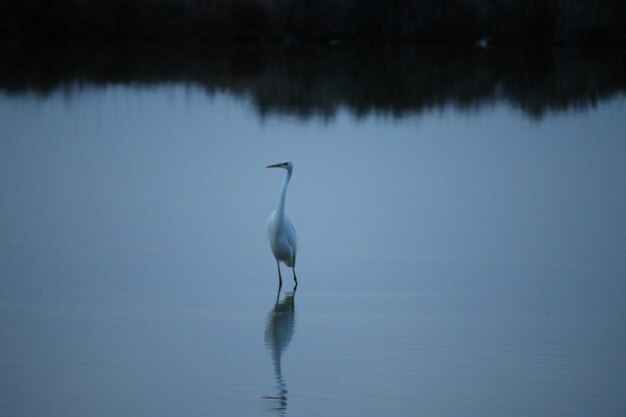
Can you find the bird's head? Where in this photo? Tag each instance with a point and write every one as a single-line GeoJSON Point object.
{"type": "Point", "coordinates": [288, 165]}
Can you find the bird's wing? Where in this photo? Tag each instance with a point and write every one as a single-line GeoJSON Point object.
{"type": "Point", "coordinates": [292, 238]}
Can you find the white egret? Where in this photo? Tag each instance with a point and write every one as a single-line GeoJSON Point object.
{"type": "Point", "coordinates": [280, 230]}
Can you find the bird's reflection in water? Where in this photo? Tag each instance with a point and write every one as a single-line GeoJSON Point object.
{"type": "Point", "coordinates": [278, 334]}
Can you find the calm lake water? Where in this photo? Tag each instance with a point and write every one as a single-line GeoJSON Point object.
{"type": "Point", "coordinates": [461, 223]}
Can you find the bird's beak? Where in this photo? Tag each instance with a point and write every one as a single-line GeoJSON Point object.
{"type": "Point", "coordinates": [278, 165]}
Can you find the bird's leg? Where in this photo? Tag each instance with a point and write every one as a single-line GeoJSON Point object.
{"type": "Point", "coordinates": [280, 278]}
{"type": "Point", "coordinates": [295, 279]}
{"type": "Point", "coordinates": [277, 298]}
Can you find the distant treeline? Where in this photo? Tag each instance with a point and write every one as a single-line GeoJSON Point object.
{"type": "Point", "coordinates": [319, 80]}
{"type": "Point", "coordinates": [414, 21]}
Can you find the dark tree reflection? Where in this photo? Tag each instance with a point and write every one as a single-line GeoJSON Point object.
{"type": "Point", "coordinates": [318, 80]}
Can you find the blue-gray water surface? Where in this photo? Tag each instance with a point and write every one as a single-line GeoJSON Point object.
{"type": "Point", "coordinates": [459, 260]}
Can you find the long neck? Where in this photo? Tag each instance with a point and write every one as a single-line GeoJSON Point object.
{"type": "Point", "coordinates": [283, 194]}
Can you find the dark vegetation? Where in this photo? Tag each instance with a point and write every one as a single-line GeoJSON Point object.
{"type": "Point", "coordinates": [421, 21]}
{"type": "Point", "coordinates": [318, 80]}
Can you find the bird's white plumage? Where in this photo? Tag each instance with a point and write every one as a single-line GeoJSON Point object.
{"type": "Point", "coordinates": [283, 239]}
{"type": "Point", "coordinates": [280, 231]}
